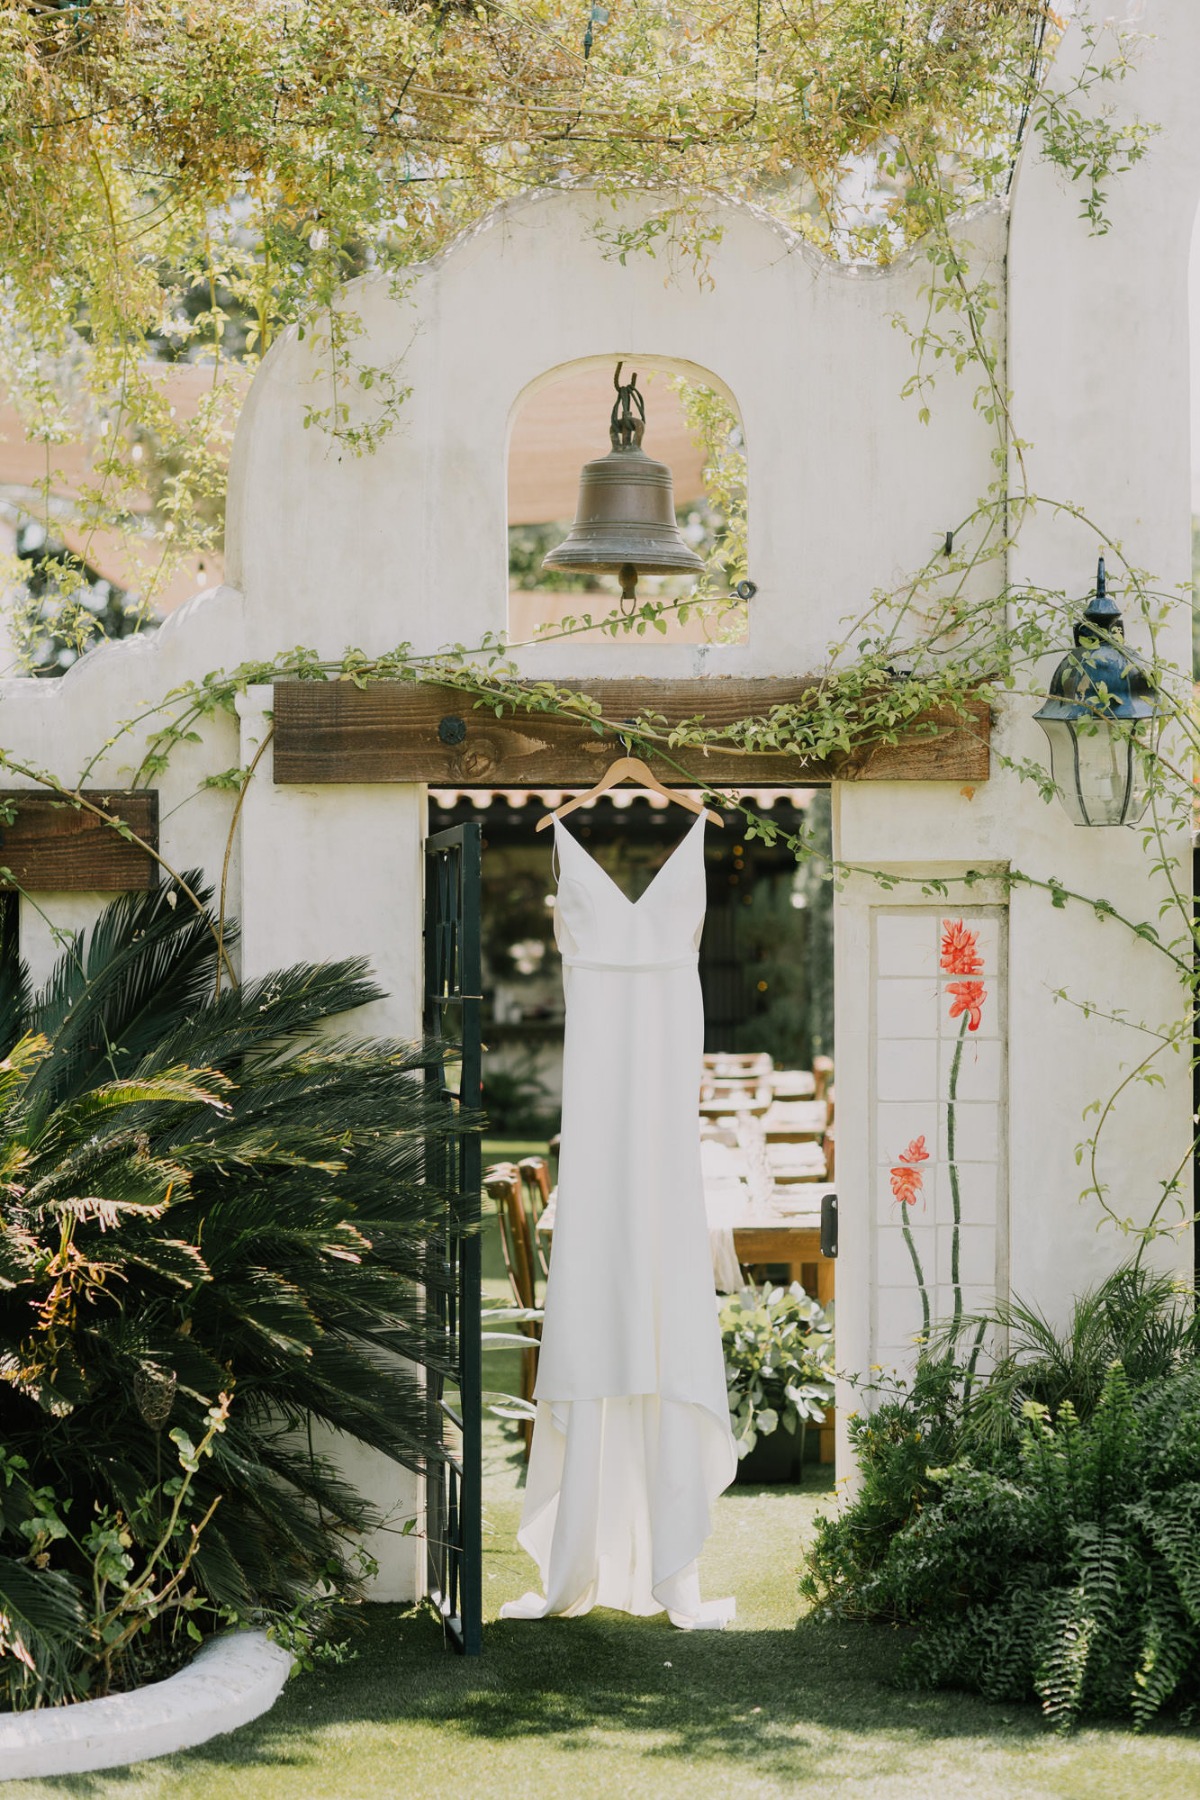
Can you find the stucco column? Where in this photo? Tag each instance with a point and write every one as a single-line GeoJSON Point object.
{"type": "Point", "coordinates": [1098, 349]}
{"type": "Point", "coordinates": [330, 872]}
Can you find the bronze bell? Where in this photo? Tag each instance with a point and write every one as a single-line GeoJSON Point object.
{"type": "Point", "coordinates": [625, 519]}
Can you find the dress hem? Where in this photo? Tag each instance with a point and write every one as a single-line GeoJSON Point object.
{"type": "Point", "coordinates": [606, 1554]}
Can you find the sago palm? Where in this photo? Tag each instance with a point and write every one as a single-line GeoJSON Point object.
{"type": "Point", "coordinates": [201, 1195]}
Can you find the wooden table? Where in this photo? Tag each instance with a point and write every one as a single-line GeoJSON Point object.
{"type": "Point", "coordinates": [772, 1223]}
{"type": "Point", "coordinates": [794, 1240]}
{"type": "Point", "coordinates": [783, 1234]}
{"type": "Point", "coordinates": [789, 1240]}
{"type": "Point", "coordinates": [798, 1245]}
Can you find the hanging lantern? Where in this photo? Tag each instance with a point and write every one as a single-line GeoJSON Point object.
{"type": "Point", "coordinates": [625, 519]}
{"type": "Point", "coordinates": [1098, 717]}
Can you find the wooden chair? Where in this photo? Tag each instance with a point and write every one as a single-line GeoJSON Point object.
{"type": "Point", "coordinates": [535, 1177]}
{"type": "Point", "coordinates": [822, 1075]}
{"type": "Point", "coordinates": [502, 1183]}
{"type": "Point", "coordinates": [796, 1121]}
{"type": "Point", "coordinates": [794, 1084]}
{"type": "Point", "coordinates": [753, 1066]}
{"type": "Point", "coordinates": [796, 1160]}
{"type": "Point", "coordinates": [719, 1099]}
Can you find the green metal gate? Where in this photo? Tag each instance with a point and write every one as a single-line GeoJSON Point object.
{"type": "Point", "coordinates": [453, 1503]}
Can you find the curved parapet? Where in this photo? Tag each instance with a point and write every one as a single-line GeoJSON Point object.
{"type": "Point", "coordinates": [408, 543]}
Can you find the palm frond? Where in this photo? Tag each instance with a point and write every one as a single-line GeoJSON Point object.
{"type": "Point", "coordinates": [200, 1196]}
{"type": "Point", "coordinates": [263, 1019]}
{"type": "Point", "coordinates": [1135, 1316]}
{"type": "Point", "coordinates": [115, 993]}
{"type": "Point", "coordinates": [15, 989]}
{"type": "Point", "coordinates": [41, 1621]}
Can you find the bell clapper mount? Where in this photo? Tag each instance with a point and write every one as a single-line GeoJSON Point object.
{"type": "Point", "coordinates": [627, 421]}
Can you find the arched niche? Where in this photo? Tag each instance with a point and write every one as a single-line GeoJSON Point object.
{"type": "Point", "coordinates": [693, 424]}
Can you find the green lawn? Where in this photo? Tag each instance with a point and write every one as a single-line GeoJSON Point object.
{"type": "Point", "coordinates": [612, 1709]}
{"type": "Point", "coordinates": [607, 1708]}
{"type": "Point", "coordinates": [499, 1149]}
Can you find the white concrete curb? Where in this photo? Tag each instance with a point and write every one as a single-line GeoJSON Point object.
{"type": "Point", "coordinates": [230, 1681]}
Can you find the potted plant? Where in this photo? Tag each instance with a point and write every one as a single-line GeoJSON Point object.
{"type": "Point", "coordinates": [779, 1370]}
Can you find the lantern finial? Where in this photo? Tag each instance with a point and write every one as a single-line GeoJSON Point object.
{"type": "Point", "coordinates": [1103, 615]}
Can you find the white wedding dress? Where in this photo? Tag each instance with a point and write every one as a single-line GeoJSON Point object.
{"type": "Point", "coordinates": [632, 1442]}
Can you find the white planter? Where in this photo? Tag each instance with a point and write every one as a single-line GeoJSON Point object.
{"type": "Point", "coordinates": [230, 1681]}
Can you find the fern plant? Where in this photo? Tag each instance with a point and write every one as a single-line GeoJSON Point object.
{"type": "Point", "coordinates": [200, 1196]}
{"type": "Point", "coordinates": [1055, 1554]}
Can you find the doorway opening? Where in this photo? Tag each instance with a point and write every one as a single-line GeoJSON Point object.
{"type": "Point", "coordinates": [766, 957]}
{"type": "Point", "coordinates": [766, 971]}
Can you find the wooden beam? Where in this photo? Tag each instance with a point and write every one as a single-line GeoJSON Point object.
{"type": "Point", "coordinates": [54, 847]}
{"type": "Point", "coordinates": [397, 731]}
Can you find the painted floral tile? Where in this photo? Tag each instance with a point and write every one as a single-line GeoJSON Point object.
{"type": "Point", "coordinates": [939, 1076]}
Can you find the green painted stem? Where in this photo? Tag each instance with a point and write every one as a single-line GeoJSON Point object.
{"type": "Point", "coordinates": [920, 1273]}
{"type": "Point", "coordinates": [955, 1196]}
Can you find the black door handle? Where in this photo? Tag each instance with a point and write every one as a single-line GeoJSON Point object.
{"type": "Point", "coordinates": [829, 1229]}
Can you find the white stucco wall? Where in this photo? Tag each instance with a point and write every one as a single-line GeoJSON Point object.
{"type": "Point", "coordinates": [1099, 363]}
{"type": "Point", "coordinates": [848, 492]}
{"type": "Point", "coordinates": [1097, 346]}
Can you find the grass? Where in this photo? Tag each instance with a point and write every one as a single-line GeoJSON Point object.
{"type": "Point", "coordinates": [609, 1708]}
{"type": "Point", "coordinates": [497, 1149]}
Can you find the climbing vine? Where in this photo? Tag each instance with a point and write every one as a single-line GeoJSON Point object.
{"type": "Point", "coordinates": [184, 184]}
{"type": "Point", "coordinates": [187, 185]}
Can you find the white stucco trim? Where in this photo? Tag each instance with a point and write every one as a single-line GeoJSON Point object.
{"type": "Point", "coordinates": [231, 1680]}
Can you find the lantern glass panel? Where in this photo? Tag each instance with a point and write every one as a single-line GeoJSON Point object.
{"type": "Point", "coordinates": [1097, 770]}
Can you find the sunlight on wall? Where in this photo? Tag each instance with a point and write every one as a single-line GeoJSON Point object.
{"type": "Point", "coordinates": [1194, 380]}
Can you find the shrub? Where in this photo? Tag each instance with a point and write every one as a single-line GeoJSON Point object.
{"type": "Point", "coordinates": [201, 1197]}
{"type": "Point", "coordinates": [517, 1102]}
{"type": "Point", "coordinates": [914, 1429]}
{"type": "Point", "coordinates": [1136, 1318]}
{"type": "Point", "coordinates": [1045, 1547]}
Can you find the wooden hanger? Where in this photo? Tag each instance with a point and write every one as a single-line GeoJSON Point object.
{"type": "Point", "coordinates": [629, 768]}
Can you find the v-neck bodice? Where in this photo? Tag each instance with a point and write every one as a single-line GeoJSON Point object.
{"type": "Point", "coordinates": [596, 925]}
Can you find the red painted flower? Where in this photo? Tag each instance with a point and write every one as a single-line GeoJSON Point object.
{"type": "Point", "coordinates": [969, 997]}
{"type": "Point", "coordinates": [960, 955]}
{"type": "Point", "coordinates": [907, 1180]}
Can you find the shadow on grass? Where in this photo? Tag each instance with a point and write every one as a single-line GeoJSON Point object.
{"type": "Point", "coordinates": [748, 1700]}
{"type": "Point", "coordinates": [738, 1707]}
{"type": "Point", "coordinates": [747, 1704]}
